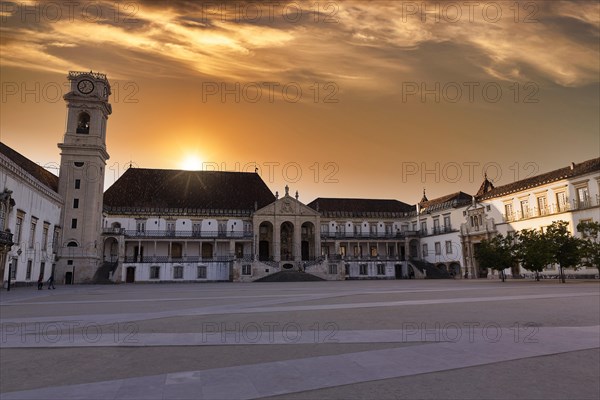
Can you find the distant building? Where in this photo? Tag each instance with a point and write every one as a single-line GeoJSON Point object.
{"type": "Point", "coordinates": [155, 225]}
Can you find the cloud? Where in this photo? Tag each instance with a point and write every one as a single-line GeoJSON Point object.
{"type": "Point", "coordinates": [360, 44]}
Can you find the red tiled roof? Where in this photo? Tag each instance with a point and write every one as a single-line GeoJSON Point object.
{"type": "Point", "coordinates": [368, 208]}
{"type": "Point", "coordinates": [44, 176]}
{"type": "Point", "coordinates": [552, 176]}
{"type": "Point", "coordinates": [163, 188]}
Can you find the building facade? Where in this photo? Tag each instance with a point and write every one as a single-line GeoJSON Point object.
{"type": "Point", "coordinates": [155, 225]}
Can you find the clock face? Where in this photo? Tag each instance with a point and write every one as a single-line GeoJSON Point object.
{"type": "Point", "coordinates": [85, 86]}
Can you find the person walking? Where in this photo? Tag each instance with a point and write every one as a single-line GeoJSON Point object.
{"type": "Point", "coordinates": [41, 282]}
{"type": "Point", "coordinates": [51, 282]}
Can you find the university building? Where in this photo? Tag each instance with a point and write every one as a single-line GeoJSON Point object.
{"type": "Point", "coordinates": [155, 225]}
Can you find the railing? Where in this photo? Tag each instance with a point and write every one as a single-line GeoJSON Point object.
{"type": "Point", "coordinates": [551, 209]}
{"type": "Point", "coordinates": [368, 235]}
{"type": "Point", "coordinates": [182, 259]}
{"type": "Point", "coordinates": [186, 234]}
{"type": "Point", "coordinates": [113, 231]}
{"type": "Point", "coordinates": [6, 237]}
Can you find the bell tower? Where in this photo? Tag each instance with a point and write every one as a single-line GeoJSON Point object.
{"type": "Point", "coordinates": [81, 178]}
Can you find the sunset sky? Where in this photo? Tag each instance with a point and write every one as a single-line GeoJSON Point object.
{"type": "Point", "coordinates": [326, 96]}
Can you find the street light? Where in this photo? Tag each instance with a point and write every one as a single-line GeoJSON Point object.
{"type": "Point", "coordinates": [19, 252]}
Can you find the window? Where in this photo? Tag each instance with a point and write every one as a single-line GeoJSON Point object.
{"type": "Point", "coordinates": [561, 201]}
{"type": "Point", "coordinates": [247, 269]}
{"type": "Point", "coordinates": [42, 268]}
{"type": "Point", "coordinates": [542, 205]}
{"type": "Point", "coordinates": [414, 226]}
{"type": "Point", "coordinates": [140, 226]}
{"type": "Point", "coordinates": [447, 223]}
{"type": "Point", "coordinates": [380, 269]}
{"type": "Point", "coordinates": [525, 208]}
{"type": "Point", "coordinates": [32, 232]}
{"type": "Point", "coordinates": [436, 225]}
{"type": "Point", "coordinates": [154, 272]}
{"type": "Point", "coordinates": [332, 269]}
{"type": "Point", "coordinates": [78, 164]}
{"type": "Point", "coordinates": [357, 251]}
{"type": "Point", "coordinates": [363, 269]}
{"type": "Point", "coordinates": [424, 227]}
{"type": "Point", "coordinates": [196, 228]}
{"type": "Point", "coordinates": [28, 274]}
{"type": "Point", "coordinates": [508, 211]}
{"type": "Point", "coordinates": [343, 250]}
{"type": "Point", "coordinates": [438, 248]}
{"type": "Point", "coordinates": [178, 272]}
{"type": "Point", "coordinates": [2, 216]}
{"type": "Point", "coordinates": [77, 183]}
{"type": "Point", "coordinates": [425, 250]}
{"type": "Point", "coordinates": [448, 247]}
{"type": "Point", "coordinates": [75, 203]}
{"type": "Point", "coordinates": [45, 235]}
{"type": "Point", "coordinates": [13, 270]}
{"type": "Point", "coordinates": [201, 272]}
{"type": "Point", "coordinates": [72, 244]}
{"type": "Point", "coordinates": [373, 251]}
{"type": "Point", "coordinates": [18, 228]}
{"type": "Point", "coordinates": [391, 250]}
{"type": "Point", "coordinates": [74, 223]}
{"type": "Point", "coordinates": [170, 228]}
{"type": "Point", "coordinates": [347, 269]}
{"type": "Point", "coordinates": [583, 197]}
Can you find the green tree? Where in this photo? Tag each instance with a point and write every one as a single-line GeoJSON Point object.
{"type": "Point", "coordinates": [565, 247]}
{"type": "Point", "coordinates": [533, 250]}
{"type": "Point", "coordinates": [590, 244]}
{"type": "Point", "coordinates": [496, 253]}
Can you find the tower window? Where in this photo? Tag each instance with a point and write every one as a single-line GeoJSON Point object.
{"type": "Point", "coordinates": [74, 223]}
{"type": "Point", "coordinates": [78, 163]}
{"type": "Point", "coordinates": [75, 203]}
{"type": "Point", "coordinates": [77, 183]}
{"type": "Point", "coordinates": [72, 244]}
{"type": "Point", "coordinates": [83, 123]}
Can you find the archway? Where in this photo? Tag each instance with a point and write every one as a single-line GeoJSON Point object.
{"type": "Point", "coordinates": [265, 240]}
{"type": "Point", "coordinates": [83, 123]}
{"type": "Point", "coordinates": [455, 270]}
{"type": "Point", "coordinates": [287, 241]}
{"type": "Point", "coordinates": [111, 249]}
{"type": "Point", "coordinates": [413, 249]}
{"type": "Point", "coordinates": [307, 241]}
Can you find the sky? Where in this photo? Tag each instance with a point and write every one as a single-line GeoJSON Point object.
{"type": "Point", "coordinates": [363, 99]}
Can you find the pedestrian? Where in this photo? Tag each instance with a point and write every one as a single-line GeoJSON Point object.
{"type": "Point", "coordinates": [41, 282]}
{"type": "Point", "coordinates": [51, 282]}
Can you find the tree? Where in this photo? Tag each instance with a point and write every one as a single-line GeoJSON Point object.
{"type": "Point", "coordinates": [590, 244]}
{"type": "Point", "coordinates": [496, 253]}
{"type": "Point", "coordinates": [533, 250]}
{"type": "Point", "coordinates": [565, 247]}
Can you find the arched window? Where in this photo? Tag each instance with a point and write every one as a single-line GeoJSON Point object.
{"type": "Point", "coordinates": [72, 244]}
{"type": "Point", "coordinates": [83, 123]}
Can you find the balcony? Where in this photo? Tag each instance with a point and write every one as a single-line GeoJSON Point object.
{"type": "Point", "coordinates": [182, 259]}
{"type": "Point", "coordinates": [552, 209]}
{"type": "Point", "coordinates": [6, 238]}
{"type": "Point", "coordinates": [165, 234]}
{"type": "Point", "coordinates": [556, 208]}
{"type": "Point", "coordinates": [367, 235]}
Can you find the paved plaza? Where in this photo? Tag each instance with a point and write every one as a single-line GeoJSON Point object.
{"type": "Point", "coordinates": [312, 340]}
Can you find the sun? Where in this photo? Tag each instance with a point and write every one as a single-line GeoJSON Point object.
{"type": "Point", "coordinates": [191, 162]}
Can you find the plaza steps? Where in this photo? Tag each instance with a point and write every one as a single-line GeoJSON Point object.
{"type": "Point", "coordinates": [290, 276]}
{"type": "Point", "coordinates": [104, 272]}
{"type": "Point", "coordinates": [430, 270]}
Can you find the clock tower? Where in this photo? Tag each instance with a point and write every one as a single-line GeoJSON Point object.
{"type": "Point", "coordinates": [81, 178]}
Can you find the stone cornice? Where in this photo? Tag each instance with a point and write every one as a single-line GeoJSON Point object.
{"type": "Point", "coordinates": [24, 176]}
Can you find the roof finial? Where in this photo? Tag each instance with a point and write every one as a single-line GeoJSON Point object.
{"type": "Point", "coordinates": [276, 195]}
{"type": "Point", "coordinates": [424, 199]}
{"type": "Point", "coordinates": [297, 195]}
{"type": "Point", "coordinates": [287, 190]}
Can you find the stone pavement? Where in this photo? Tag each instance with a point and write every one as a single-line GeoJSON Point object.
{"type": "Point", "coordinates": [369, 339]}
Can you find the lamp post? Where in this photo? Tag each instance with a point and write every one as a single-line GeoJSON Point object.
{"type": "Point", "coordinates": [19, 252]}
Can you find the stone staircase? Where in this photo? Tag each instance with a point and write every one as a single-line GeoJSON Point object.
{"type": "Point", "coordinates": [290, 276]}
{"type": "Point", "coordinates": [104, 272]}
{"type": "Point", "coordinates": [430, 270]}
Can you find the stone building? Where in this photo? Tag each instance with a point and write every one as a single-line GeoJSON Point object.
{"type": "Point", "coordinates": [156, 225]}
